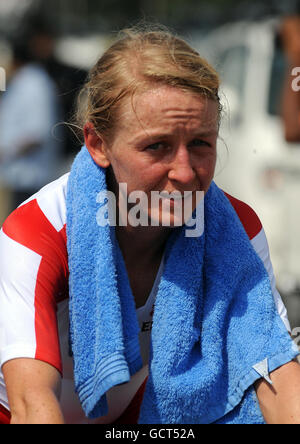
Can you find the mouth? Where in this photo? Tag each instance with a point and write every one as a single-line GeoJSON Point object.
{"type": "Point", "coordinates": [176, 195]}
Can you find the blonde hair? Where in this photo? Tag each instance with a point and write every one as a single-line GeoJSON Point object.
{"type": "Point", "coordinates": [139, 57]}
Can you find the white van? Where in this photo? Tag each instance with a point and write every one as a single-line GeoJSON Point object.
{"type": "Point", "coordinates": [255, 164]}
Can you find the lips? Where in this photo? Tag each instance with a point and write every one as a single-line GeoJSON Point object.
{"type": "Point", "coordinates": [176, 195]}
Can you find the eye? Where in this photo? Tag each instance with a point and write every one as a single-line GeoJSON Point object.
{"type": "Point", "coordinates": [199, 142]}
{"type": "Point", "coordinates": [155, 146]}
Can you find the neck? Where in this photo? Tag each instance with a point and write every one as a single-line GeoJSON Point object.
{"type": "Point", "coordinates": [145, 243]}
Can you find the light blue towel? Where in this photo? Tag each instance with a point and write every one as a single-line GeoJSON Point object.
{"type": "Point", "coordinates": [214, 319]}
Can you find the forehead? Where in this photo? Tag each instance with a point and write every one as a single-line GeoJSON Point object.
{"type": "Point", "coordinates": [168, 106]}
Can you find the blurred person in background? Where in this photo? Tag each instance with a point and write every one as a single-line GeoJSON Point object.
{"type": "Point", "coordinates": [29, 111]}
{"type": "Point", "coordinates": [69, 80]}
{"type": "Point", "coordinates": [290, 37]}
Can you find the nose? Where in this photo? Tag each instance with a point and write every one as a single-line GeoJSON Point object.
{"type": "Point", "coordinates": [181, 168]}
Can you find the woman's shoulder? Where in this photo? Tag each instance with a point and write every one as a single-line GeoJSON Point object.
{"type": "Point", "coordinates": [42, 217]}
{"type": "Point", "coordinates": [247, 216]}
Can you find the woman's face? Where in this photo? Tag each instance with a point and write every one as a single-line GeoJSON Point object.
{"type": "Point", "coordinates": [165, 141]}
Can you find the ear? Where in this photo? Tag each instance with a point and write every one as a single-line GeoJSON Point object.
{"type": "Point", "coordinates": [96, 146]}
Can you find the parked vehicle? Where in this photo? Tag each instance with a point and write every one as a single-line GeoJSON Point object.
{"type": "Point", "coordinates": [256, 164]}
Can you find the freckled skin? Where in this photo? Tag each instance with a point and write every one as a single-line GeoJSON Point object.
{"type": "Point", "coordinates": [167, 142]}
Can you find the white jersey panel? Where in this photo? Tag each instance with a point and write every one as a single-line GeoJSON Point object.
{"type": "Point", "coordinates": [260, 244]}
{"type": "Point", "coordinates": [55, 209]}
{"type": "Point", "coordinates": [17, 296]}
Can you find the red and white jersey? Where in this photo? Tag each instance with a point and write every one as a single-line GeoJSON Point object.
{"type": "Point", "coordinates": [34, 317]}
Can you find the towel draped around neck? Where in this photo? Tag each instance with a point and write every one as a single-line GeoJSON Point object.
{"type": "Point", "coordinates": [215, 317]}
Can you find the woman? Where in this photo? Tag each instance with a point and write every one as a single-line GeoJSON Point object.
{"type": "Point", "coordinates": [218, 338]}
{"type": "Point", "coordinates": [290, 39]}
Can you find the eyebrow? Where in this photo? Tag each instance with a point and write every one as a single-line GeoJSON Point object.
{"type": "Point", "coordinates": [158, 136]}
{"type": "Point", "coordinates": [207, 133]}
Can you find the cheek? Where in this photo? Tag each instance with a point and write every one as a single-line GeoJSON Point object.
{"type": "Point", "coordinates": [156, 177]}
{"type": "Point", "coordinates": [206, 167]}
{"type": "Point", "coordinates": [206, 172]}
{"type": "Point", "coordinates": [139, 176]}
{"type": "Point", "coordinates": [212, 166]}
{"type": "Point", "coordinates": [123, 167]}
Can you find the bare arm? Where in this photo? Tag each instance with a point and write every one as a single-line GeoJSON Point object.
{"type": "Point", "coordinates": [291, 108]}
{"type": "Point", "coordinates": [290, 34]}
{"type": "Point", "coordinates": [33, 389]}
{"type": "Point", "coordinates": [280, 402]}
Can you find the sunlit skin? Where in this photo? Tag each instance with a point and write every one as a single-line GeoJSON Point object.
{"type": "Point", "coordinates": [168, 142]}
{"type": "Point", "coordinates": [165, 141]}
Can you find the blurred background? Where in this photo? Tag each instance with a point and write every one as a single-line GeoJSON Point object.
{"type": "Point", "coordinates": [47, 48]}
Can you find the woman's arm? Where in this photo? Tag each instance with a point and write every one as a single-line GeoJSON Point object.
{"type": "Point", "coordinates": [33, 389]}
{"type": "Point", "coordinates": [290, 34]}
{"type": "Point", "coordinates": [280, 402]}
